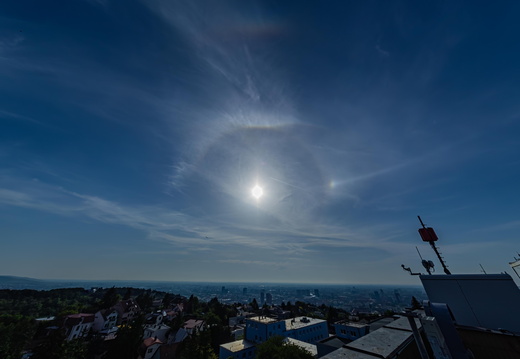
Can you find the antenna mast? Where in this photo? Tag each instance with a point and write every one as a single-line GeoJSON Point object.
{"type": "Point", "coordinates": [428, 235]}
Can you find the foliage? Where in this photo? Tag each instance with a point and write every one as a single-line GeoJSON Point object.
{"type": "Point", "coordinates": [56, 347]}
{"type": "Point", "coordinates": [254, 304]}
{"type": "Point", "coordinates": [197, 347]}
{"type": "Point", "coordinates": [15, 331]}
{"type": "Point", "coordinates": [276, 348]}
{"type": "Point", "coordinates": [415, 303]}
{"type": "Point", "coordinates": [145, 300]}
{"type": "Point", "coordinates": [110, 298]}
{"type": "Point", "coordinates": [127, 342]}
{"type": "Point", "coordinates": [33, 303]}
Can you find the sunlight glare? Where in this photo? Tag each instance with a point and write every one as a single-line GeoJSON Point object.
{"type": "Point", "coordinates": [257, 191]}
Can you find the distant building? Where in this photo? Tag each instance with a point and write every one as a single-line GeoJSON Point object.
{"type": "Point", "coordinates": [244, 291]}
{"type": "Point", "coordinates": [397, 296]}
{"type": "Point", "coordinates": [269, 298]}
{"type": "Point", "coordinates": [262, 297]}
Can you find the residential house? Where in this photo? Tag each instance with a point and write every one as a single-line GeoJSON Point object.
{"type": "Point", "coordinates": [149, 348]}
{"type": "Point", "coordinates": [105, 320]}
{"type": "Point", "coordinates": [193, 326]}
{"type": "Point", "coordinates": [78, 325]}
{"type": "Point", "coordinates": [127, 310]}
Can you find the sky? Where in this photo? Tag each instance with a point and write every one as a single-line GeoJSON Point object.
{"type": "Point", "coordinates": [257, 141]}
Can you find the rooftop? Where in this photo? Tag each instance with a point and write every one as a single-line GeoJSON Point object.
{"type": "Point", "coordinates": [263, 319]}
{"type": "Point", "coordinates": [382, 343]}
{"type": "Point", "coordinates": [238, 345]}
{"type": "Point", "coordinates": [352, 324]}
{"type": "Point", "coordinates": [301, 322]}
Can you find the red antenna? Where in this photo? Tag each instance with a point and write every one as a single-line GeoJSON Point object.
{"type": "Point", "coordinates": [428, 235]}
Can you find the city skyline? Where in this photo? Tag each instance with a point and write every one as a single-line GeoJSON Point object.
{"type": "Point", "coordinates": [257, 142]}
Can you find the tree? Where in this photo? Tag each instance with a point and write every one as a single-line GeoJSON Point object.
{"type": "Point", "coordinates": [167, 300]}
{"type": "Point", "coordinates": [415, 303]}
{"type": "Point", "coordinates": [145, 300]}
{"type": "Point", "coordinates": [197, 347]}
{"type": "Point", "coordinates": [56, 347]}
{"type": "Point", "coordinates": [128, 294]}
{"type": "Point", "coordinates": [192, 305]}
{"type": "Point", "coordinates": [254, 304]}
{"type": "Point", "coordinates": [276, 348]}
{"type": "Point", "coordinates": [15, 332]}
{"type": "Point", "coordinates": [109, 299]}
{"type": "Point", "coordinates": [127, 342]}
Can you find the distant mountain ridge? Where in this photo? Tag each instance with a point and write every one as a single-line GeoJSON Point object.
{"type": "Point", "coordinates": [13, 282]}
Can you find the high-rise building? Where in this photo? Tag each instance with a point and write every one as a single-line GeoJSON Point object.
{"type": "Point", "coordinates": [269, 298]}
{"type": "Point", "coordinates": [262, 297]}
{"type": "Point", "coordinates": [244, 291]}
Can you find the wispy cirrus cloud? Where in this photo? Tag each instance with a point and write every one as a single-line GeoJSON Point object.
{"type": "Point", "coordinates": [191, 232]}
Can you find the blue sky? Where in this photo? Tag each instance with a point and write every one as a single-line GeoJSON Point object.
{"type": "Point", "coordinates": [133, 132]}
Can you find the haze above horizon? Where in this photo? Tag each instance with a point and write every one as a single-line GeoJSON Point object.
{"type": "Point", "coordinates": [257, 141]}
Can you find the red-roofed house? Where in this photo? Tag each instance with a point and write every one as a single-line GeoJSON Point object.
{"type": "Point", "coordinates": [193, 326]}
{"type": "Point", "coordinates": [149, 347]}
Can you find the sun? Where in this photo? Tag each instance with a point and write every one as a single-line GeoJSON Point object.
{"type": "Point", "coordinates": [257, 192]}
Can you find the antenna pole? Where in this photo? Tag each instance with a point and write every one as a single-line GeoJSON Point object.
{"type": "Point", "coordinates": [435, 249]}
{"type": "Point", "coordinates": [483, 270]}
{"type": "Point", "coordinates": [419, 252]}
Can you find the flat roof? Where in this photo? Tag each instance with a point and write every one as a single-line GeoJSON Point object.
{"type": "Point", "coordinates": [344, 353]}
{"type": "Point", "coordinates": [383, 342]}
{"type": "Point", "coordinates": [297, 323]}
{"type": "Point", "coordinates": [238, 345]}
{"type": "Point", "coordinates": [352, 324]}
{"type": "Point", "coordinates": [263, 319]}
{"type": "Point", "coordinates": [465, 277]}
{"type": "Point", "coordinates": [403, 324]}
